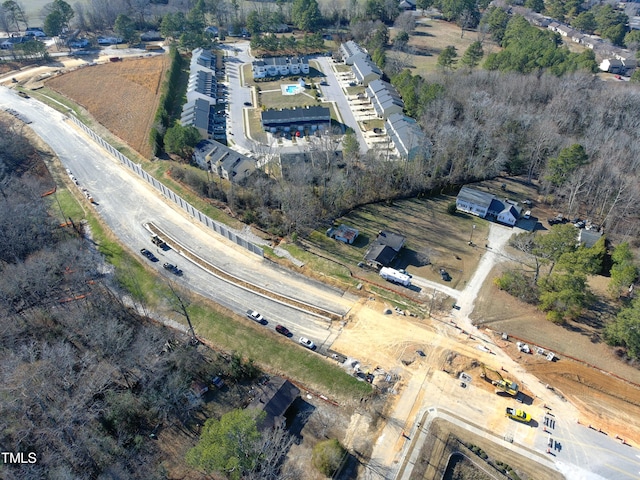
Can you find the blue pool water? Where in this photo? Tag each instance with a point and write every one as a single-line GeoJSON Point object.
{"type": "Point", "coordinates": [292, 89]}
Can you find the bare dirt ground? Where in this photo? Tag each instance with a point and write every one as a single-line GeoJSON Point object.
{"type": "Point", "coordinates": [123, 96]}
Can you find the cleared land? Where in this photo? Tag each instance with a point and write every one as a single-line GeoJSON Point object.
{"type": "Point", "coordinates": [430, 38]}
{"type": "Point", "coordinates": [435, 239]}
{"type": "Point", "coordinates": [122, 96]}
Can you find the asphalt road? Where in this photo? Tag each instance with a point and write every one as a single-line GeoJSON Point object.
{"type": "Point", "coordinates": [126, 203]}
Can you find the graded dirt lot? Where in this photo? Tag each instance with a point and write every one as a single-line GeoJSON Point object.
{"type": "Point", "coordinates": [123, 96]}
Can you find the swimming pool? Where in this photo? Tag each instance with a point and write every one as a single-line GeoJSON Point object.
{"type": "Point", "coordinates": [291, 89]}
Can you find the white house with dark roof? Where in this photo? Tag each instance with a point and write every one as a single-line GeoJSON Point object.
{"type": "Point", "coordinates": [485, 204]}
{"type": "Point", "coordinates": [351, 52]}
{"type": "Point", "coordinates": [384, 98]}
{"type": "Point", "coordinates": [365, 71]}
{"type": "Point", "coordinates": [405, 133]}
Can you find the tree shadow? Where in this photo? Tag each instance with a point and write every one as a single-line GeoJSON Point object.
{"type": "Point", "coordinates": [297, 416]}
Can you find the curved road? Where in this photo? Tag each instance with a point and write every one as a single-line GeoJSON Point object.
{"type": "Point", "coordinates": [126, 202]}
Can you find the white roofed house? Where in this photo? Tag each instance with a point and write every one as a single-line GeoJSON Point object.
{"type": "Point", "coordinates": [365, 71]}
{"type": "Point", "coordinates": [406, 135]}
{"type": "Point", "coordinates": [474, 201]}
{"type": "Point", "coordinates": [384, 98]}
{"type": "Point", "coordinates": [351, 52]}
{"type": "Point", "coordinates": [197, 114]}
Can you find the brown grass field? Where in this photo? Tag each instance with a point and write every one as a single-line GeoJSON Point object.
{"type": "Point", "coordinates": [431, 37]}
{"type": "Point", "coordinates": [122, 96]}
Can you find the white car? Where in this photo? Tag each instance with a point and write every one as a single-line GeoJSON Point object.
{"type": "Point", "coordinates": [307, 343]}
{"type": "Point", "coordinates": [253, 315]}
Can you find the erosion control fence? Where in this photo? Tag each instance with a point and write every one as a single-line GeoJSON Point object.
{"type": "Point", "coordinates": [171, 195]}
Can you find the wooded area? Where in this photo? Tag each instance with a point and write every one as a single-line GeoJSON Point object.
{"type": "Point", "coordinates": [86, 384]}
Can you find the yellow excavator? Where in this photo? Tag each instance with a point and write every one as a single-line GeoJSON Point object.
{"type": "Point", "coordinates": [503, 384]}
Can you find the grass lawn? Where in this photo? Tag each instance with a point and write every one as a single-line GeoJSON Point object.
{"type": "Point", "coordinates": [277, 100]}
{"type": "Point", "coordinates": [371, 124]}
{"type": "Point", "coordinates": [431, 233]}
{"type": "Point", "coordinates": [342, 68]}
{"type": "Point", "coordinates": [431, 37]}
{"type": "Point", "coordinates": [255, 125]}
{"type": "Point", "coordinates": [357, 90]}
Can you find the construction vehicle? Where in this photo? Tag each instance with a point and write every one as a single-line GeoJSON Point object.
{"type": "Point", "coordinates": [519, 415]}
{"type": "Point", "coordinates": [503, 384]}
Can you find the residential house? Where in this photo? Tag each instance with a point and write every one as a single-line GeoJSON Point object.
{"type": "Point", "coordinates": [298, 118]}
{"type": "Point", "coordinates": [385, 98]}
{"type": "Point", "coordinates": [405, 133]}
{"type": "Point", "coordinates": [351, 52]}
{"type": "Point", "coordinates": [198, 113]}
{"type": "Point", "coordinates": [612, 65]}
{"type": "Point", "coordinates": [509, 215]}
{"type": "Point", "coordinates": [203, 58]}
{"type": "Point", "coordinates": [202, 84]}
{"type": "Point", "coordinates": [485, 204]}
{"type": "Point", "coordinates": [223, 161]}
{"type": "Point", "coordinates": [274, 398]}
{"type": "Point", "coordinates": [565, 31]}
{"type": "Point", "coordinates": [407, 4]}
{"type": "Point", "coordinates": [473, 201]}
{"type": "Point", "coordinates": [384, 249]}
{"type": "Point", "coordinates": [365, 71]}
{"type": "Point", "coordinates": [588, 237]}
{"type": "Point", "coordinates": [276, 66]}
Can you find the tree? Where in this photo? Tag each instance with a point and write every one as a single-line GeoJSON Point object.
{"type": "Point", "coordinates": [125, 27]}
{"type": "Point", "coordinates": [535, 5]}
{"type": "Point", "coordinates": [564, 296]}
{"type": "Point", "coordinates": [181, 140]}
{"type": "Point", "coordinates": [452, 9]}
{"type": "Point", "coordinates": [568, 160]}
{"type": "Point", "coordinates": [625, 330]}
{"type": "Point", "coordinates": [61, 8]}
{"type": "Point", "coordinates": [583, 259]}
{"type": "Point", "coordinates": [632, 39]}
{"type": "Point", "coordinates": [15, 13]}
{"type": "Point", "coordinates": [400, 42]}
{"type": "Point", "coordinates": [623, 271]}
{"type": "Point", "coordinates": [229, 445]}
{"type": "Point", "coordinates": [350, 145]}
{"type": "Point", "coordinates": [561, 239]}
{"type": "Point", "coordinates": [53, 24]}
{"type": "Point", "coordinates": [305, 15]}
{"type": "Point", "coordinates": [327, 456]}
{"type": "Point", "coordinates": [173, 25]}
{"type": "Point", "coordinates": [635, 76]}
{"type": "Point", "coordinates": [473, 55]}
{"type": "Point", "coordinates": [496, 20]}
{"type": "Point", "coordinates": [448, 58]}
{"type": "Point", "coordinates": [586, 22]}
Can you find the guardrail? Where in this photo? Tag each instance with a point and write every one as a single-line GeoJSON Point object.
{"type": "Point", "coordinates": [171, 195]}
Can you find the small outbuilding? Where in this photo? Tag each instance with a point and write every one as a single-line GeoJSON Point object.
{"type": "Point", "coordinates": [274, 397]}
{"type": "Point", "coordinates": [343, 234]}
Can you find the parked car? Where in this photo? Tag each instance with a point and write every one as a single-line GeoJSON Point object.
{"type": "Point", "coordinates": [253, 315]}
{"type": "Point", "coordinates": [148, 254]}
{"type": "Point", "coordinates": [307, 343]}
{"type": "Point", "coordinates": [173, 269]}
{"type": "Point", "coordinates": [248, 104]}
{"type": "Point", "coordinates": [283, 330]}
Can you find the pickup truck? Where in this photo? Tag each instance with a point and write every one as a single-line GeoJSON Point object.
{"type": "Point", "coordinates": [519, 415]}
{"type": "Point", "coordinates": [253, 315]}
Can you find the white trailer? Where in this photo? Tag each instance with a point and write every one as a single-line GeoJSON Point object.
{"type": "Point", "coordinates": [394, 276]}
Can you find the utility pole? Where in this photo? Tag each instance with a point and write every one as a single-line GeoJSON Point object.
{"type": "Point", "coordinates": [471, 236]}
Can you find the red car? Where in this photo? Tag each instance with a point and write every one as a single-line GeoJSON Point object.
{"type": "Point", "coordinates": [283, 330]}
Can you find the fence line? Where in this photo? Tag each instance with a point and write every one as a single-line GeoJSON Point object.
{"type": "Point", "coordinates": [171, 195]}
